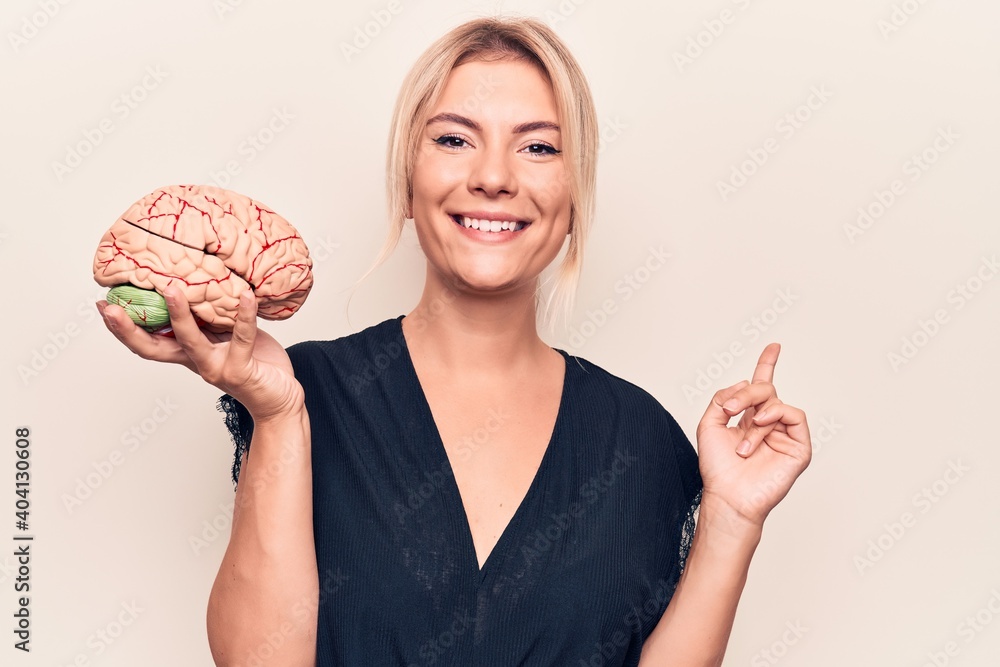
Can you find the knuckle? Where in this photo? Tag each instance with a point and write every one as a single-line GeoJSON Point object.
{"type": "Point", "coordinates": [211, 376]}
{"type": "Point", "coordinates": [242, 337]}
{"type": "Point", "coordinates": [230, 377]}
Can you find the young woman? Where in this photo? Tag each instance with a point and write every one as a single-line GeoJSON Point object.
{"type": "Point", "coordinates": [443, 487]}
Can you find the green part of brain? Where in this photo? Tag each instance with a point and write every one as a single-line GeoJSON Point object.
{"type": "Point", "coordinates": [147, 308]}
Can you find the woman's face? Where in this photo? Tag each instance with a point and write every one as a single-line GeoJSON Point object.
{"type": "Point", "coordinates": [491, 149]}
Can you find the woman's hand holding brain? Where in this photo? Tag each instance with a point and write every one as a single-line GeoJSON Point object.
{"type": "Point", "coordinates": [201, 248]}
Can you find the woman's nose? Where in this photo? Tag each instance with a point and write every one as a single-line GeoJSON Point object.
{"type": "Point", "coordinates": [492, 173]}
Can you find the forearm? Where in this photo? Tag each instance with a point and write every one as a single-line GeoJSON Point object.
{"type": "Point", "coordinates": [694, 630]}
{"type": "Point", "coordinates": [267, 586]}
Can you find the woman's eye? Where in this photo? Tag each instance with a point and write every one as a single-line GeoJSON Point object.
{"type": "Point", "coordinates": [545, 149]}
{"type": "Point", "coordinates": [450, 140]}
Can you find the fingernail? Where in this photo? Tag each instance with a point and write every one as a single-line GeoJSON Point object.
{"type": "Point", "coordinates": [743, 448]}
{"type": "Point", "coordinates": [759, 415]}
{"type": "Point", "coordinates": [731, 404]}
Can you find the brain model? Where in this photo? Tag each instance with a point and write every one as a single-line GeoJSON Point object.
{"type": "Point", "coordinates": [213, 244]}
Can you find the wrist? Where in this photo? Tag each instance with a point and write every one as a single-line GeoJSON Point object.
{"type": "Point", "coordinates": [718, 517]}
{"type": "Point", "coordinates": [290, 411]}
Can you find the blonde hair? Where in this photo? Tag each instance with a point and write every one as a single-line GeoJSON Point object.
{"type": "Point", "coordinates": [500, 38]}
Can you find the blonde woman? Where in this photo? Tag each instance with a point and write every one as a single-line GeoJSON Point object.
{"type": "Point", "coordinates": [443, 488]}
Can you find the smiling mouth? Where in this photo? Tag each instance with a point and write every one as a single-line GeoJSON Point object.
{"type": "Point", "coordinates": [489, 225]}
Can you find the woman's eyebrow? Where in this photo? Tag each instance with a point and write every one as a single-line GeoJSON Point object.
{"type": "Point", "coordinates": [530, 126]}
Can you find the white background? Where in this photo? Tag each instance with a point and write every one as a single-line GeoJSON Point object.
{"type": "Point", "coordinates": [892, 430]}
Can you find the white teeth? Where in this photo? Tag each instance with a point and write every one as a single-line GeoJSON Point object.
{"type": "Point", "coordinates": [491, 225]}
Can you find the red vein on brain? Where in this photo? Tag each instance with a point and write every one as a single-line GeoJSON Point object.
{"type": "Point", "coordinates": [253, 264]}
{"type": "Point", "coordinates": [260, 220]}
{"type": "Point", "coordinates": [212, 223]}
{"type": "Point", "coordinates": [177, 216]}
{"type": "Point", "coordinates": [282, 268]}
{"type": "Point", "coordinates": [210, 200]}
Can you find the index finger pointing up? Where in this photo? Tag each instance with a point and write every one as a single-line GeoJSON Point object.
{"type": "Point", "coordinates": [765, 365]}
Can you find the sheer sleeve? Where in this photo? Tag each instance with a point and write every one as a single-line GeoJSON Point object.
{"type": "Point", "coordinates": [688, 496]}
{"type": "Point", "coordinates": [240, 425]}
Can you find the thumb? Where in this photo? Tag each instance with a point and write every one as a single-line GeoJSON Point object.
{"type": "Point", "coordinates": [715, 415]}
{"type": "Point", "coordinates": [245, 330]}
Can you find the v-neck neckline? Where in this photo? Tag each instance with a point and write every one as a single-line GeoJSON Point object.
{"type": "Point", "coordinates": [500, 546]}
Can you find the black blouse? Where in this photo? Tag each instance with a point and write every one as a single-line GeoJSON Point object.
{"type": "Point", "coordinates": [580, 576]}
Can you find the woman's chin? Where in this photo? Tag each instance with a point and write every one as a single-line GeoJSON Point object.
{"type": "Point", "coordinates": [487, 284]}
